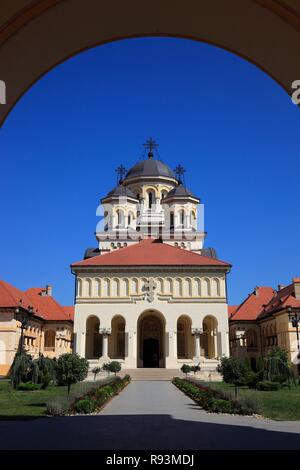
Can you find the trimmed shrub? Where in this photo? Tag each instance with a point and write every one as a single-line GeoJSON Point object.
{"type": "Point", "coordinates": [114, 367]}
{"type": "Point", "coordinates": [268, 386]}
{"type": "Point", "coordinates": [96, 371]}
{"type": "Point", "coordinates": [185, 368]}
{"type": "Point", "coordinates": [233, 370]}
{"type": "Point", "coordinates": [28, 386]}
{"type": "Point", "coordinates": [214, 400]}
{"type": "Point", "coordinates": [86, 405]}
{"type": "Point", "coordinates": [70, 369]}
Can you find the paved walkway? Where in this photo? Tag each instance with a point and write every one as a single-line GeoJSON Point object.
{"type": "Point", "coordinates": [150, 415]}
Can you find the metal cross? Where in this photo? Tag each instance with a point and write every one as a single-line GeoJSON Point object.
{"type": "Point", "coordinates": [179, 171]}
{"type": "Point", "coordinates": [151, 145]}
{"type": "Point", "coordinates": [121, 171]}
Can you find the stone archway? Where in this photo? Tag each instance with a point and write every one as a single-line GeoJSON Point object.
{"type": "Point", "coordinates": [151, 340]}
{"type": "Point", "coordinates": [93, 342]}
{"type": "Point", "coordinates": [37, 36]}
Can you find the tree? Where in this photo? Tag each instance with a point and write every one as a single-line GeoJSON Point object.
{"type": "Point", "coordinates": [195, 368]}
{"type": "Point", "coordinates": [185, 368]}
{"type": "Point", "coordinates": [278, 367]}
{"type": "Point", "coordinates": [114, 367]}
{"type": "Point", "coordinates": [21, 370]}
{"type": "Point", "coordinates": [96, 371]}
{"type": "Point", "coordinates": [106, 367]}
{"type": "Point", "coordinates": [233, 371]}
{"type": "Point", "coordinates": [44, 372]}
{"type": "Point", "coordinates": [70, 369]}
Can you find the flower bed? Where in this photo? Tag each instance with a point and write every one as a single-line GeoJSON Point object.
{"type": "Point", "coordinates": [90, 401]}
{"type": "Point", "coordinates": [216, 401]}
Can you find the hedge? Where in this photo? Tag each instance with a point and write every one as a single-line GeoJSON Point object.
{"type": "Point", "coordinates": [90, 401]}
{"type": "Point", "coordinates": [216, 401]}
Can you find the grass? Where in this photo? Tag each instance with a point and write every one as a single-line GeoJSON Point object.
{"type": "Point", "coordinates": [20, 404]}
{"type": "Point", "coordinates": [280, 405]}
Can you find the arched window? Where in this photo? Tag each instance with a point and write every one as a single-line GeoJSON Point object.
{"type": "Point", "coordinates": [79, 287]}
{"type": "Point", "coordinates": [171, 219]}
{"type": "Point", "coordinates": [49, 339]}
{"type": "Point", "coordinates": [120, 218]}
{"type": "Point", "coordinates": [182, 217]}
{"type": "Point", "coordinates": [150, 199]}
{"type": "Point", "coordinates": [105, 221]}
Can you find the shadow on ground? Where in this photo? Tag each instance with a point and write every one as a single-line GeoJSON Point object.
{"type": "Point", "coordinates": [149, 432]}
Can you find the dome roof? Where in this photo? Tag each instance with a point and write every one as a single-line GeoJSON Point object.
{"type": "Point", "coordinates": [150, 167]}
{"type": "Point", "coordinates": [120, 191]}
{"type": "Point", "coordinates": [181, 191]}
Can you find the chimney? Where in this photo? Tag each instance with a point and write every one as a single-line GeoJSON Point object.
{"type": "Point", "coordinates": [296, 282]}
{"type": "Point", "coordinates": [280, 287]}
{"type": "Point", "coordinates": [49, 290]}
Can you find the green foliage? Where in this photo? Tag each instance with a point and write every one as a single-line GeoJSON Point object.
{"type": "Point", "coordinates": [45, 368]}
{"type": "Point", "coordinates": [233, 370]}
{"type": "Point", "coordinates": [21, 370]}
{"type": "Point", "coordinates": [268, 386]}
{"type": "Point", "coordinates": [185, 368]}
{"type": "Point", "coordinates": [106, 367]}
{"type": "Point", "coordinates": [195, 368]}
{"type": "Point", "coordinates": [278, 367]}
{"type": "Point", "coordinates": [86, 406]}
{"type": "Point", "coordinates": [70, 369]}
{"type": "Point", "coordinates": [96, 371]}
{"type": "Point", "coordinates": [114, 367]}
{"type": "Point", "coordinates": [28, 386]}
{"type": "Point", "coordinates": [215, 400]}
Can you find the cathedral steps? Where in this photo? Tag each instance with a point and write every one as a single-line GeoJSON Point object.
{"type": "Point", "coordinates": [153, 374]}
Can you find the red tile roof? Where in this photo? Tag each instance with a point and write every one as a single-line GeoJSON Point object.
{"type": "Point", "coordinates": [12, 297]}
{"type": "Point", "coordinates": [254, 304]}
{"type": "Point", "coordinates": [48, 308]}
{"type": "Point", "coordinates": [70, 310]}
{"type": "Point", "coordinates": [151, 252]}
{"type": "Point", "coordinates": [231, 309]}
{"type": "Point", "coordinates": [285, 297]}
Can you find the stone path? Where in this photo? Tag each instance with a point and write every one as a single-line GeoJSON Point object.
{"type": "Point", "coordinates": [150, 415]}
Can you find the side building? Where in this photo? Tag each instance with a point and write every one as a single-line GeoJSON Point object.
{"type": "Point", "coordinates": [265, 319]}
{"type": "Point", "coordinates": [32, 320]}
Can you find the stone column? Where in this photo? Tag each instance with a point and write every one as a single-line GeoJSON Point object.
{"type": "Point", "coordinates": [225, 343]}
{"type": "Point", "coordinates": [215, 335]}
{"type": "Point", "coordinates": [196, 332]}
{"type": "Point", "coordinates": [105, 332]}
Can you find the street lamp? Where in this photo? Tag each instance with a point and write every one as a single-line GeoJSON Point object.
{"type": "Point", "coordinates": [295, 319]}
{"type": "Point", "coordinates": [23, 319]}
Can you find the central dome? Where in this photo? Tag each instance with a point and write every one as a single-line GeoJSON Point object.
{"type": "Point", "coordinates": [150, 167]}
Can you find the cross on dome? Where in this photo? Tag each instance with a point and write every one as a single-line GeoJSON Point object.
{"type": "Point", "coordinates": [121, 171]}
{"type": "Point", "coordinates": [179, 171]}
{"type": "Point", "coordinates": [151, 145]}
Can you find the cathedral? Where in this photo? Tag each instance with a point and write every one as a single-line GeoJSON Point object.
{"type": "Point", "coordinates": [150, 295]}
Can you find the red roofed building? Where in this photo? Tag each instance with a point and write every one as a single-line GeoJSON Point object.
{"type": "Point", "coordinates": [264, 320]}
{"type": "Point", "coordinates": [47, 326]}
{"type": "Point", "coordinates": [150, 294]}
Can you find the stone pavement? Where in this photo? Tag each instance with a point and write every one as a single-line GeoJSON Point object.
{"type": "Point", "coordinates": [150, 415]}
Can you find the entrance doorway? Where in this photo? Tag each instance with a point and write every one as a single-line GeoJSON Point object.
{"type": "Point", "coordinates": [151, 352]}
{"type": "Point", "coordinates": [151, 337]}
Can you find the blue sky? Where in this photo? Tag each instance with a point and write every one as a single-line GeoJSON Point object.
{"type": "Point", "coordinates": [232, 127]}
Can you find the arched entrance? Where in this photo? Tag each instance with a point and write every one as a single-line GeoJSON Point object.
{"type": "Point", "coordinates": [93, 343]}
{"type": "Point", "coordinates": [209, 338]}
{"type": "Point", "coordinates": [185, 347]}
{"type": "Point", "coordinates": [151, 340]}
{"type": "Point", "coordinates": [116, 344]}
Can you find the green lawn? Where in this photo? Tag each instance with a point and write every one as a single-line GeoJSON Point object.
{"type": "Point", "coordinates": [14, 403]}
{"type": "Point", "coordinates": [281, 405]}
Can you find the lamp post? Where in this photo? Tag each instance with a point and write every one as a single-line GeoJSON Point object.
{"type": "Point", "coordinates": [23, 319]}
{"type": "Point", "coordinates": [295, 319]}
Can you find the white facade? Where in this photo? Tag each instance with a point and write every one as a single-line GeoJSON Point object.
{"type": "Point", "coordinates": [151, 316]}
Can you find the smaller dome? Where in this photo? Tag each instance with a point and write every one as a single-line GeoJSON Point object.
{"type": "Point", "coordinates": [180, 191]}
{"type": "Point", "coordinates": [120, 191]}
